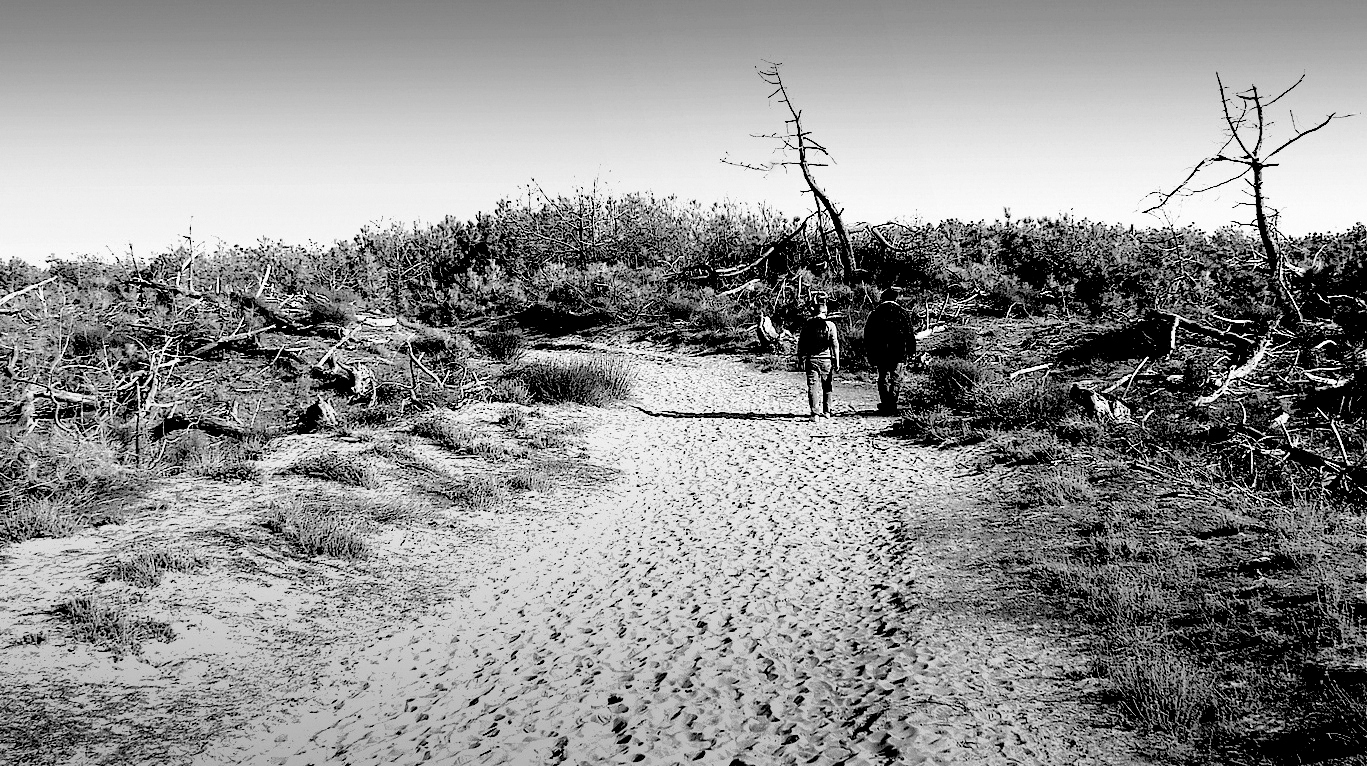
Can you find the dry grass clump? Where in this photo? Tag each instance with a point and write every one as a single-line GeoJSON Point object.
{"type": "Point", "coordinates": [335, 466]}
{"type": "Point", "coordinates": [530, 480]}
{"type": "Point", "coordinates": [513, 419]}
{"type": "Point", "coordinates": [441, 427]}
{"type": "Point", "coordinates": [108, 624]}
{"type": "Point", "coordinates": [1029, 447]}
{"type": "Point", "coordinates": [593, 382]}
{"type": "Point", "coordinates": [504, 345]}
{"type": "Point", "coordinates": [1058, 486]}
{"type": "Point", "coordinates": [145, 568]}
{"type": "Point", "coordinates": [316, 530]}
{"type": "Point", "coordinates": [1159, 689]}
{"type": "Point", "coordinates": [33, 517]}
{"type": "Point", "coordinates": [477, 493]}
{"type": "Point", "coordinates": [512, 391]}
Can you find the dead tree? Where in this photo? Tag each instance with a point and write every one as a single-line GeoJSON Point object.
{"type": "Point", "coordinates": [1247, 148]}
{"type": "Point", "coordinates": [798, 142]}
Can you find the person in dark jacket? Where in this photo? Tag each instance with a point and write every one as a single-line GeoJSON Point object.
{"type": "Point", "coordinates": [889, 339]}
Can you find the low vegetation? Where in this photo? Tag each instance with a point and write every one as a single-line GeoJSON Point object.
{"type": "Point", "coordinates": [594, 382]}
{"type": "Point", "coordinates": [331, 465]}
{"type": "Point", "coordinates": [144, 568]}
{"type": "Point", "coordinates": [108, 624]}
{"type": "Point", "coordinates": [317, 529]}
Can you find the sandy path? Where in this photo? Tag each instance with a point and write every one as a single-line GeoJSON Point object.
{"type": "Point", "coordinates": [757, 590]}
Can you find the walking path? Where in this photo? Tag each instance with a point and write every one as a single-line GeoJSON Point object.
{"type": "Point", "coordinates": [755, 589]}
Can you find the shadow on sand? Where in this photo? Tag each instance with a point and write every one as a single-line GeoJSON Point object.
{"type": "Point", "coordinates": [750, 415]}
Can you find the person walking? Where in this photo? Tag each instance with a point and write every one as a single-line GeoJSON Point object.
{"type": "Point", "coordinates": [818, 348]}
{"type": "Point", "coordinates": [889, 338]}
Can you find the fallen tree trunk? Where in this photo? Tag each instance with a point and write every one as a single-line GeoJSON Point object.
{"type": "Point", "coordinates": [1238, 370]}
{"type": "Point", "coordinates": [215, 426]}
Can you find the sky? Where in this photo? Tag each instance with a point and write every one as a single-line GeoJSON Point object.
{"type": "Point", "coordinates": [133, 123]}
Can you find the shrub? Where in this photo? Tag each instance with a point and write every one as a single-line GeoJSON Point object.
{"type": "Point", "coordinates": [1023, 403]}
{"type": "Point", "coordinates": [953, 382]}
{"type": "Point", "coordinates": [504, 345]}
{"type": "Point", "coordinates": [329, 311]}
{"type": "Point", "coordinates": [316, 530]}
{"type": "Point", "coordinates": [109, 624]}
{"type": "Point", "coordinates": [335, 466]}
{"type": "Point", "coordinates": [550, 439]}
{"type": "Point", "coordinates": [593, 382]}
{"type": "Point", "coordinates": [145, 569]}
{"type": "Point", "coordinates": [958, 343]}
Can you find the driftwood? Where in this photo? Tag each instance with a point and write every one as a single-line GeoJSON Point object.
{"type": "Point", "coordinates": [1239, 369]}
{"type": "Point", "coordinates": [227, 340]}
{"type": "Point", "coordinates": [215, 426]}
{"type": "Point", "coordinates": [1102, 407]}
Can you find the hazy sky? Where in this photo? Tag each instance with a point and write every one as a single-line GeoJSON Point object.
{"type": "Point", "coordinates": [129, 121]}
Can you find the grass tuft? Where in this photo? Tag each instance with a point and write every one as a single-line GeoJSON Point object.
{"type": "Point", "coordinates": [504, 345]}
{"type": "Point", "coordinates": [592, 382]}
{"type": "Point", "coordinates": [107, 623]}
{"type": "Point", "coordinates": [35, 517]}
{"type": "Point", "coordinates": [335, 466]}
{"type": "Point", "coordinates": [316, 530]}
{"type": "Point", "coordinates": [145, 568]}
{"type": "Point", "coordinates": [1159, 689]}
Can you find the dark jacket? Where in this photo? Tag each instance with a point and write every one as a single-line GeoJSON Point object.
{"type": "Point", "coordinates": [889, 335]}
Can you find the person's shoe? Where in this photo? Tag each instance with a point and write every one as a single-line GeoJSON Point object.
{"type": "Point", "coordinates": [826, 415]}
{"type": "Point", "coordinates": [814, 417]}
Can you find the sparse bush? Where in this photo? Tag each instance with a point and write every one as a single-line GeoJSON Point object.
{"type": "Point", "coordinates": [144, 569]}
{"type": "Point", "coordinates": [1023, 403]}
{"type": "Point", "coordinates": [593, 382]}
{"type": "Point", "coordinates": [97, 621]}
{"type": "Point", "coordinates": [504, 345]}
{"type": "Point", "coordinates": [316, 530]}
{"type": "Point", "coordinates": [335, 466]}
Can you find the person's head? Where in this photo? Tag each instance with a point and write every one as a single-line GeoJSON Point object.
{"type": "Point", "coordinates": [890, 294]}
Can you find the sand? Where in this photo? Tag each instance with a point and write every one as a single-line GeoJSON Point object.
{"type": "Point", "coordinates": [751, 588]}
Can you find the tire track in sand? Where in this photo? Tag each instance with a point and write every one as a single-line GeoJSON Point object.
{"type": "Point", "coordinates": [755, 590]}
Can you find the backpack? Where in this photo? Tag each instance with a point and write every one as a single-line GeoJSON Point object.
{"type": "Point", "coordinates": [815, 338]}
